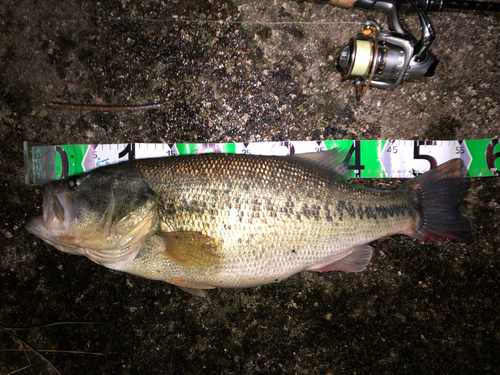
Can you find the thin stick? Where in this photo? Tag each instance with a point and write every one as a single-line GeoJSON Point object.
{"type": "Point", "coordinates": [104, 107]}
{"type": "Point", "coordinates": [45, 325]}
{"type": "Point", "coordinates": [27, 358]}
{"type": "Point", "coordinates": [31, 348]}
{"type": "Point", "coordinates": [52, 351]}
{"type": "Point", "coordinates": [19, 369]}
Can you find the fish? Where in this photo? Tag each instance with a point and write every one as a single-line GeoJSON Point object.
{"type": "Point", "coordinates": [237, 221]}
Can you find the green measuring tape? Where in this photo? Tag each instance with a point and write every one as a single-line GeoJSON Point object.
{"type": "Point", "coordinates": [392, 158]}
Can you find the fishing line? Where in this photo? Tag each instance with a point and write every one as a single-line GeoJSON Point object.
{"type": "Point", "coordinates": [265, 23]}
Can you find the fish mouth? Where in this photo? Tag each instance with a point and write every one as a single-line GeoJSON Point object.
{"type": "Point", "coordinates": [58, 209]}
{"type": "Point", "coordinates": [59, 212]}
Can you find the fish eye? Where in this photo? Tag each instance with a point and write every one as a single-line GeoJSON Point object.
{"type": "Point", "coordinates": [74, 182]}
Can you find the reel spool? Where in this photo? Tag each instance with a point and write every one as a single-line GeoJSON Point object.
{"type": "Point", "coordinates": [384, 58]}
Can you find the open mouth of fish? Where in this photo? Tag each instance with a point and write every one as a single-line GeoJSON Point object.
{"type": "Point", "coordinates": [58, 210]}
{"type": "Point", "coordinates": [54, 225]}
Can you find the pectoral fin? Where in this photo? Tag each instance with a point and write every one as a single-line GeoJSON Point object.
{"type": "Point", "coordinates": [191, 288]}
{"type": "Point", "coordinates": [356, 261]}
{"type": "Point", "coordinates": [191, 249]}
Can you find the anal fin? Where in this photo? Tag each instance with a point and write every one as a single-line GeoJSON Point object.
{"type": "Point", "coordinates": [190, 287]}
{"type": "Point", "coordinates": [356, 261]}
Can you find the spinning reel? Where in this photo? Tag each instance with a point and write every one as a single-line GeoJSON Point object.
{"type": "Point", "coordinates": [384, 58]}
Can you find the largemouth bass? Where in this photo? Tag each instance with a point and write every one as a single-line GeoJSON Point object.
{"type": "Point", "coordinates": [236, 221]}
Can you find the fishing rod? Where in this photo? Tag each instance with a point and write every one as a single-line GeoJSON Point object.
{"type": "Point", "coordinates": [437, 6]}
{"type": "Point", "coordinates": [384, 58]}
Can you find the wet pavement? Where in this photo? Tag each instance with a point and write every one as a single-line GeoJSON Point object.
{"type": "Point", "coordinates": [243, 71]}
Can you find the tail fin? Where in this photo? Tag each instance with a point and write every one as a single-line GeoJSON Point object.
{"type": "Point", "coordinates": [440, 192]}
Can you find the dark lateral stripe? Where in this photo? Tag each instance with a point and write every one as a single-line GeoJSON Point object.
{"type": "Point", "coordinates": [373, 212]}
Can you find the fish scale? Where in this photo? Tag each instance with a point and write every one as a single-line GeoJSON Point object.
{"type": "Point", "coordinates": [223, 220]}
{"type": "Point", "coordinates": [295, 225]}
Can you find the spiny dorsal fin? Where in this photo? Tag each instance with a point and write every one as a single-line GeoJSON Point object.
{"type": "Point", "coordinates": [332, 160]}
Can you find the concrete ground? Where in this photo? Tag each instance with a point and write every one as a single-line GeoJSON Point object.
{"type": "Point", "coordinates": [418, 308]}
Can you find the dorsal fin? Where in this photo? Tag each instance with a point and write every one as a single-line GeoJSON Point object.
{"type": "Point", "coordinates": [332, 160]}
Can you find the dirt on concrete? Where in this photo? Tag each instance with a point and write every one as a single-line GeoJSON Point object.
{"type": "Point", "coordinates": [234, 71]}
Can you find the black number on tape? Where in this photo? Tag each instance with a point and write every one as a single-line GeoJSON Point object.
{"type": "Point", "coordinates": [130, 150]}
{"type": "Point", "coordinates": [417, 155]}
{"type": "Point", "coordinates": [64, 161]}
{"type": "Point", "coordinates": [492, 156]}
{"type": "Point", "coordinates": [357, 166]}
